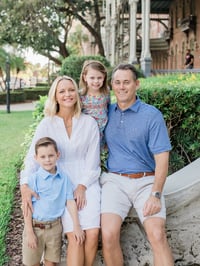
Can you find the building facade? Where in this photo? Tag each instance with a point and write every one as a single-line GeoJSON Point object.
{"type": "Point", "coordinates": [152, 33]}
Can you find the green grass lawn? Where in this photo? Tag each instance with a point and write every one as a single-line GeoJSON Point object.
{"type": "Point", "coordinates": [13, 127]}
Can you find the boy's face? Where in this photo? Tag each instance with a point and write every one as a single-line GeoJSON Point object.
{"type": "Point", "coordinates": [46, 157]}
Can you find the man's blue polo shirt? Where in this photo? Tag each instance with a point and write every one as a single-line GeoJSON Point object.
{"type": "Point", "coordinates": [54, 190]}
{"type": "Point", "coordinates": [134, 136]}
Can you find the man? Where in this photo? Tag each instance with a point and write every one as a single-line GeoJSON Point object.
{"type": "Point", "coordinates": [138, 145]}
{"type": "Point", "coordinates": [189, 60]}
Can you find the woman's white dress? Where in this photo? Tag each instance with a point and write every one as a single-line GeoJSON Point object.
{"type": "Point", "coordinates": [79, 160]}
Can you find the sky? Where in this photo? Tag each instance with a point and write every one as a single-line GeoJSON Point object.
{"type": "Point", "coordinates": [35, 58]}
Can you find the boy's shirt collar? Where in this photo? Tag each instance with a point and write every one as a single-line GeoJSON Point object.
{"type": "Point", "coordinates": [45, 174]}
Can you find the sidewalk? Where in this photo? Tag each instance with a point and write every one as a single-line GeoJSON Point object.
{"type": "Point", "coordinates": [28, 106]}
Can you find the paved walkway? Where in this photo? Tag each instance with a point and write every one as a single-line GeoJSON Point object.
{"type": "Point", "coordinates": [28, 106]}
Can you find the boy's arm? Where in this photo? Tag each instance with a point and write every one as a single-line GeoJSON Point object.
{"type": "Point", "coordinates": [31, 237]}
{"type": "Point", "coordinates": [78, 232]}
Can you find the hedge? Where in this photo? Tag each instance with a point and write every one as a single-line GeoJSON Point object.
{"type": "Point", "coordinates": [72, 65]}
{"type": "Point", "coordinates": [22, 95]}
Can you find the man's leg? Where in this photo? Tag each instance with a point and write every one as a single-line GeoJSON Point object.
{"type": "Point", "coordinates": [155, 229]}
{"type": "Point", "coordinates": [111, 226]}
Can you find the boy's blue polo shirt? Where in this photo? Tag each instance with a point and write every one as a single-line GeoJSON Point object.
{"type": "Point", "coordinates": [134, 136]}
{"type": "Point", "coordinates": [54, 190]}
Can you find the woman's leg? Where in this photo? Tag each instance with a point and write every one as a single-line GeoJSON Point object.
{"type": "Point", "coordinates": [91, 245]}
{"type": "Point", "coordinates": [49, 263]}
{"type": "Point", "coordinates": [75, 251]}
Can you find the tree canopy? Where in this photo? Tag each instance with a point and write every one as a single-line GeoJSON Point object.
{"type": "Point", "coordinates": [45, 25]}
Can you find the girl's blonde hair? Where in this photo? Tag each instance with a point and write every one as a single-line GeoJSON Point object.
{"type": "Point", "coordinates": [52, 107]}
{"type": "Point", "coordinates": [96, 65]}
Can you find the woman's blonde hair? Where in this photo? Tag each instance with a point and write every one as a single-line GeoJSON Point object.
{"type": "Point", "coordinates": [52, 107]}
{"type": "Point", "coordinates": [96, 65]}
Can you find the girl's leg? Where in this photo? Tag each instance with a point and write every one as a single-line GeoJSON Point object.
{"type": "Point", "coordinates": [91, 245]}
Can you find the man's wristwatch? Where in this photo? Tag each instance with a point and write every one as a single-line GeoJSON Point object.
{"type": "Point", "coordinates": [156, 194]}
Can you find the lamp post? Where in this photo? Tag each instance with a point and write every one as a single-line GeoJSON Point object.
{"type": "Point", "coordinates": [8, 84]}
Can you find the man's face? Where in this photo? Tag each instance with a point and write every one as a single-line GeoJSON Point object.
{"type": "Point", "coordinates": [124, 86]}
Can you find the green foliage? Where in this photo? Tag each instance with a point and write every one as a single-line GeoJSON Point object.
{"type": "Point", "coordinates": [178, 98]}
{"type": "Point", "coordinates": [181, 110]}
{"type": "Point", "coordinates": [38, 114]}
{"type": "Point", "coordinates": [45, 25]}
{"type": "Point", "coordinates": [11, 135]}
{"type": "Point", "coordinates": [72, 65]}
{"type": "Point", "coordinates": [22, 95]}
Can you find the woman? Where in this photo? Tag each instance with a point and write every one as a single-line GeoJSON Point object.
{"type": "Point", "coordinates": [77, 136]}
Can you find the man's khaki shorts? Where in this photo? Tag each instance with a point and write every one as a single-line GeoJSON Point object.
{"type": "Point", "coordinates": [120, 193]}
{"type": "Point", "coordinates": [49, 243]}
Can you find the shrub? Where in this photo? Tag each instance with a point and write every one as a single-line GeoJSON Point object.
{"type": "Point", "coordinates": [72, 65]}
{"type": "Point", "coordinates": [178, 99]}
{"type": "Point", "coordinates": [181, 110]}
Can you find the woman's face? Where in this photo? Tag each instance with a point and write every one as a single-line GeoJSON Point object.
{"type": "Point", "coordinates": [66, 94]}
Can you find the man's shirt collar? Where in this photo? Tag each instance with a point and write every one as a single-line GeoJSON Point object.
{"type": "Point", "coordinates": [134, 107]}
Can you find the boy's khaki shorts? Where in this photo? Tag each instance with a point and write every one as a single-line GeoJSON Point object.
{"type": "Point", "coordinates": [120, 193]}
{"type": "Point", "coordinates": [49, 243]}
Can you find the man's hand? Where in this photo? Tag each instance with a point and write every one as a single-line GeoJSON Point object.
{"type": "Point", "coordinates": [27, 194]}
{"type": "Point", "coordinates": [152, 206]}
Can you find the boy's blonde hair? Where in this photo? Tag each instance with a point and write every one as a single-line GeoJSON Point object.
{"type": "Point", "coordinates": [52, 107]}
{"type": "Point", "coordinates": [97, 65]}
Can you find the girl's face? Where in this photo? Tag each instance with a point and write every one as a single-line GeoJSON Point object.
{"type": "Point", "coordinates": [94, 80]}
{"type": "Point", "coordinates": [66, 94]}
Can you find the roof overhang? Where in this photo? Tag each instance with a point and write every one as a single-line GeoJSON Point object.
{"type": "Point", "coordinates": [157, 6]}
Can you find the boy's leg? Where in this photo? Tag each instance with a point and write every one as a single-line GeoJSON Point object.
{"type": "Point", "coordinates": [53, 244]}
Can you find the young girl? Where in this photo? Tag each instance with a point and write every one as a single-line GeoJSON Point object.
{"type": "Point", "coordinates": [95, 95]}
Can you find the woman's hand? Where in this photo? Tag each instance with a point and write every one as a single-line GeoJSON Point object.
{"type": "Point", "coordinates": [79, 235]}
{"type": "Point", "coordinates": [80, 197]}
{"type": "Point", "coordinates": [27, 195]}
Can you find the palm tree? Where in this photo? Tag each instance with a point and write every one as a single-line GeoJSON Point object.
{"type": "Point", "coordinates": [16, 64]}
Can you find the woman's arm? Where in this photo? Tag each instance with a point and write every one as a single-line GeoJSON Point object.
{"type": "Point", "coordinates": [78, 232]}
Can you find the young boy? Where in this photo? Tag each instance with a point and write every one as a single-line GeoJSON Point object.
{"type": "Point", "coordinates": [43, 229]}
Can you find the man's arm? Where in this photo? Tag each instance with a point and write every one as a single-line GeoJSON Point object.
{"type": "Point", "coordinates": [153, 204]}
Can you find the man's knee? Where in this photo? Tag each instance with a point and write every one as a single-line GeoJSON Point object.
{"type": "Point", "coordinates": [155, 231]}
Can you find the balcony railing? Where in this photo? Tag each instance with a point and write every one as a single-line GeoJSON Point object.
{"type": "Point", "coordinates": [188, 23]}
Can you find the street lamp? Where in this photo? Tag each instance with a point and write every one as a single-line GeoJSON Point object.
{"type": "Point", "coordinates": [8, 84]}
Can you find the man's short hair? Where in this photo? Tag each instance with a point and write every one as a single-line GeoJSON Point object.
{"type": "Point", "coordinates": [126, 67]}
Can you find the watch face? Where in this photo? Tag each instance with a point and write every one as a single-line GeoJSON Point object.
{"type": "Point", "coordinates": [156, 194]}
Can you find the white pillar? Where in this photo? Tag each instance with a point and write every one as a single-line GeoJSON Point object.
{"type": "Point", "coordinates": [107, 30]}
{"type": "Point", "coordinates": [147, 53]}
{"type": "Point", "coordinates": [113, 22]}
{"type": "Point", "coordinates": [133, 33]}
{"type": "Point", "coordinates": [145, 59]}
{"type": "Point", "coordinates": [143, 28]}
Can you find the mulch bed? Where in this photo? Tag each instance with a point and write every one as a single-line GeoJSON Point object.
{"type": "Point", "coordinates": [14, 235]}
